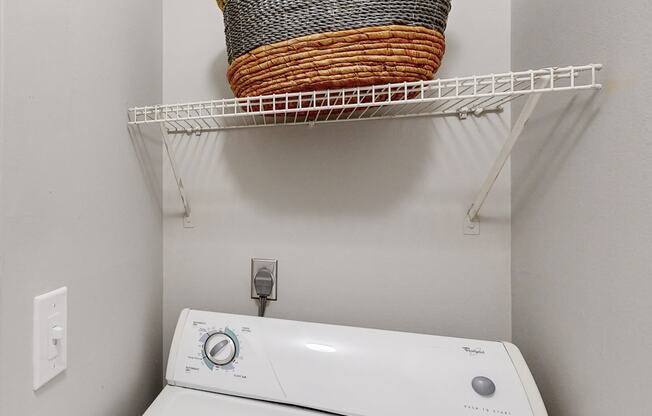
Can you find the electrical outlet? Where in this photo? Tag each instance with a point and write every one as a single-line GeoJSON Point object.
{"type": "Point", "coordinates": [272, 266]}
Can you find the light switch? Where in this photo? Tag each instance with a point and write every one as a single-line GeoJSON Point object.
{"type": "Point", "coordinates": [50, 336]}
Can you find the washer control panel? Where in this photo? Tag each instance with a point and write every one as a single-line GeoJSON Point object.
{"type": "Point", "coordinates": [349, 371]}
{"type": "Point", "coordinates": [222, 355]}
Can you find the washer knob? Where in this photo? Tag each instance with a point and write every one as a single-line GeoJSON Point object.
{"type": "Point", "coordinates": [220, 349]}
{"type": "Point", "coordinates": [483, 386]}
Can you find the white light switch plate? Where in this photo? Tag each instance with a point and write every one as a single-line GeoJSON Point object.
{"type": "Point", "coordinates": [50, 336]}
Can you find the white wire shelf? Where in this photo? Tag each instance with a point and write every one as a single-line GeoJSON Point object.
{"type": "Point", "coordinates": [460, 97]}
{"type": "Point", "coordinates": [464, 97]}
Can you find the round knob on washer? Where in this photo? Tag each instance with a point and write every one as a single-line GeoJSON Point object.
{"type": "Point", "coordinates": [483, 386]}
{"type": "Point", "coordinates": [220, 349]}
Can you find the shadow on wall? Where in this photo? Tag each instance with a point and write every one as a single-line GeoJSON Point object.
{"type": "Point", "coordinates": [566, 129]}
{"type": "Point", "coordinates": [454, 47]}
{"type": "Point", "coordinates": [219, 78]}
{"type": "Point", "coordinates": [328, 168]}
{"type": "Point", "coordinates": [353, 169]}
{"type": "Point", "coordinates": [148, 146]}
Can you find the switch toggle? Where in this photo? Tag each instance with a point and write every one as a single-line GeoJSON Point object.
{"type": "Point", "coordinates": [56, 338]}
{"type": "Point", "coordinates": [57, 334]}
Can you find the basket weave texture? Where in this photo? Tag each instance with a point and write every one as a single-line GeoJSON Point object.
{"type": "Point", "coordinates": [281, 46]}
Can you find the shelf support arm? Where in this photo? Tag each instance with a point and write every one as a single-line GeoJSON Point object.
{"type": "Point", "coordinates": [506, 151]}
{"type": "Point", "coordinates": [187, 215]}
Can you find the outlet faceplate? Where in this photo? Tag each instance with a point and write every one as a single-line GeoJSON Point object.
{"type": "Point", "coordinates": [272, 266]}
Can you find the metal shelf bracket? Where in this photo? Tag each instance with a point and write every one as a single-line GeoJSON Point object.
{"type": "Point", "coordinates": [472, 221]}
{"type": "Point", "coordinates": [187, 215]}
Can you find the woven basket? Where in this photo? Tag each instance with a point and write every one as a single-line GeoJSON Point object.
{"type": "Point", "coordinates": [283, 46]}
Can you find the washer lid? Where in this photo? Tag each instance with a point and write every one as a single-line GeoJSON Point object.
{"type": "Point", "coordinates": [179, 401]}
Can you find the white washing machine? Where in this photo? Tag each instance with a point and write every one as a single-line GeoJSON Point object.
{"type": "Point", "coordinates": [234, 365]}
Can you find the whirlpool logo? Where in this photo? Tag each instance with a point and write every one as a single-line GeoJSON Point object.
{"type": "Point", "coordinates": [473, 351]}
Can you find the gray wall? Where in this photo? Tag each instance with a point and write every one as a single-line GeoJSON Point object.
{"type": "Point", "coordinates": [75, 207]}
{"type": "Point", "coordinates": [582, 192]}
{"type": "Point", "coordinates": [365, 219]}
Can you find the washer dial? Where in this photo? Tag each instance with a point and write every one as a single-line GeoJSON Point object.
{"type": "Point", "coordinates": [220, 349]}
